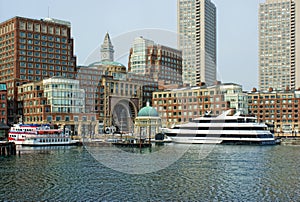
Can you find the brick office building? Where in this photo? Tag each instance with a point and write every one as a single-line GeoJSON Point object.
{"type": "Point", "coordinates": [184, 104]}
{"type": "Point", "coordinates": [159, 62]}
{"type": "Point", "coordinates": [56, 100]}
{"type": "Point", "coordinates": [280, 108]}
{"type": "Point", "coordinates": [31, 50]}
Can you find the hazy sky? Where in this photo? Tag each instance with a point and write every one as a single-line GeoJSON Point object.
{"type": "Point", "coordinates": [237, 23]}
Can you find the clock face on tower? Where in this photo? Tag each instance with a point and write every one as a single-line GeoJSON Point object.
{"type": "Point", "coordinates": [104, 55]}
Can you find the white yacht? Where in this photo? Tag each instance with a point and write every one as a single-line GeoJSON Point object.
{"type": "Point", "coordinates": [222, 129]}
{"type": "Point", "coordinates": [38, 135]}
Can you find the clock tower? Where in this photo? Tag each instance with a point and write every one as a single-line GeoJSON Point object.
{"type": "Point", "coordinates": [107, 49]}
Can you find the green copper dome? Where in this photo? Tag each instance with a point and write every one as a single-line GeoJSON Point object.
{"type": "Point", "coordinates": [108, 63]}
{"type": "Point", "coordinates": [148, 111]}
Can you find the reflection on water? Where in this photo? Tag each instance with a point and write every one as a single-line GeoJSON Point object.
{"type": "Point", "coordinates": [228, 173]}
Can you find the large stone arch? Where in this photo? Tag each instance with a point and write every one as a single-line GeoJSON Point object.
{"type": "Point", "coordinates": [124, 111]}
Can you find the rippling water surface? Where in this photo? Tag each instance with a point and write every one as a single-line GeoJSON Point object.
{"type": "Point", "coordinates": [228, 173]}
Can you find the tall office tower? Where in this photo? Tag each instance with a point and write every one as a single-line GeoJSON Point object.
{"type": "Point", "coordinates": [197, 39]}
{"type": "Point", "coordinates": [31, 50]}
{"type": "Point", "coordinates": [279, 44]}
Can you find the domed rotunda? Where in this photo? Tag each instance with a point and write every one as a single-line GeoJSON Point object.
{"type": "Point", "coordinates": [147, 123]}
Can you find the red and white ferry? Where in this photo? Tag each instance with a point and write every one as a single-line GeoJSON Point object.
{"type": "Point", "coordinates": [38, 135]}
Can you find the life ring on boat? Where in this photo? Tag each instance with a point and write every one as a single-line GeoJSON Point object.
{"type": "Point", "coordinates": [107, 130]}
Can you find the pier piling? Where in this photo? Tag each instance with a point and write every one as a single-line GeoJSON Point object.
{"type": "Point", "coordinates": [7, 149]}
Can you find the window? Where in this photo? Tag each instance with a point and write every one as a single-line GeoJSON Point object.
{"type": "Point", "coordinates": [49, 118]}
{"type": "Point", "coordinates": [57, 30]}
{"type": "Point", "coordinates": [44, 28]}
{"type": "Point", "coordinates": [37, 27]}
{"type": "Point", "coordinates": [36, 36]}
{"type": "Point", "coordinates": [22, 25]}
{"type": "Point", "coordinates": [22, 46]}
{"type": "Point", "coordinates": [64, 32]}
{"type": "Point", "coordinates": [22, 64]}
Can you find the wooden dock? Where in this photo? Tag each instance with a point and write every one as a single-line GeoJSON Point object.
{"type": "Point", "coordinates": [7, 148]}
{"type": "Point", "coordinates": [135, 145]}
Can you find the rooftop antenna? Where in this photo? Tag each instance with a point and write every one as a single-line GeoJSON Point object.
{"type": "Point", "coordinates": [48, 12]}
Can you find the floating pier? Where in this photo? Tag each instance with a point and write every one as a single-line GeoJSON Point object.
{"type": "Point", "coordinates": [7, 148]}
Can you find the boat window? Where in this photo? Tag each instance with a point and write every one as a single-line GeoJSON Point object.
{"type": "Point", "coordinates": [202, 121]}
{"type": "Point", "coordinates": [231, 121]}
{"type": "Point", "coordinates": [251, 120]}
{"type": "Point", "coordinates": [222, 128]}
{"type": "Point", "coordinates": [241, 120]}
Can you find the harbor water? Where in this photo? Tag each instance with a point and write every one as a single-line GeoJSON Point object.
{"type": "Point", "coordinates": [226, 173]}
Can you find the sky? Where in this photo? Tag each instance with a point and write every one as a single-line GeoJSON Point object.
{"type": "Point", "coordinates": [237, 29]}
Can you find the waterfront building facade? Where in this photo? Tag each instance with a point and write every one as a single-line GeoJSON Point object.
{"type": "Point", "coordinates": [148, 86]}
{"type": "Point", "coordinates": [160, 62]}
{"type": "Point", "coordinates": [109, 94]}
{"type": "Point", "coordinates": [184, 104]}
{"type": "Point", "coordinates": [196, 26]}
{"type": "Point", "coordinates": [3, 103]}
{"type": "Point", "coordinates": [279, 38]}
{"type": "Point", "coordinates": [31, 50]}
{"type": "Point", "coordinates": [55, 100]}
{"type": "Point", "coordinates": [280, 108]}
